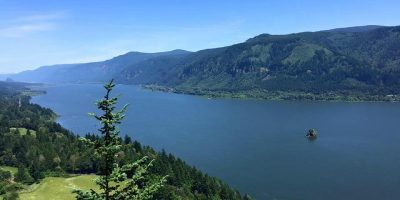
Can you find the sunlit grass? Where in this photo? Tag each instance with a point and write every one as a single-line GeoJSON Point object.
{"type": "Point", "coordinates": [13, 170]}
{"type": "Point", "coordinates": [58, 188]}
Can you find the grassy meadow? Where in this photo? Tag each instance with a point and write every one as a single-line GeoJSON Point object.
{"type": "Point", "coordinates": [13, 170]}
{"type": "Point", "coordinates": [58, 188]}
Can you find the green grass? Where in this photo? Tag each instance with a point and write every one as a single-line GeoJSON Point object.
{"type": "Point", "coordinates": [58, 188]}
{"type": "Point", "coordinates": [22, 131]}
{"type": "Point", "coordinates": [13, 170]}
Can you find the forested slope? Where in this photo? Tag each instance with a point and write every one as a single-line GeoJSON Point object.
{"type": "Point", "coordinates": [356, 63]}
{"type": "Point", "coordinates": [33, 142]}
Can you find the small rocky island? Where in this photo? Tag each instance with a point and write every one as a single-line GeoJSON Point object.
{"type": "Point", "coordinates": [311, 134]}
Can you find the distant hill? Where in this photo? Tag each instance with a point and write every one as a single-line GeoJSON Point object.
{"type": "Point", "coordinates": [90, 72]}
{"type": "Point", "coordinates": [3, 77]}
{"type": "Point", "coordinates": [356, 29]}
{"type": "Point", "coordinates": [316, 62]}
{"type": "Point", "coordinates": [363, 59]}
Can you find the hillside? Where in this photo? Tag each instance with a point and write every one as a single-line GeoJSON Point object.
{"type": "Point", "coordinates": [90, 72]}
{"type": "Point", "coordinates": [311, 62]}
{"type": "Point", "coordinates": [358, 62]}
{"type": "Point", "coordinates": [39, 147]}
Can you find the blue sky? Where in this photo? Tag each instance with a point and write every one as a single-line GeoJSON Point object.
{"type": "Point", "coordinates": [36, 33]}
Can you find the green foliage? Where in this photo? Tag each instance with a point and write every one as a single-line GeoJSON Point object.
{"type": "Point", "coordinates": [247, 197]}
{"type": "Point", "coordinates": [13, 195]}
{"type": "Point", "coordinates": [114, 182]}
{"type": "Point", "coordinates": [8, 189]}
{"type": "Point", "coordinates": [351, 64]}
{"type": "Point", "coordinates": [23, 176]}
{"type": "Point", "coordinates": [5, 178]}
{"type": "Point", "coordinates": [357, 65]}
{"type": "Point", "coordinates": [55, 151]}
{"type": "Point", "coordinates": [5, 175]}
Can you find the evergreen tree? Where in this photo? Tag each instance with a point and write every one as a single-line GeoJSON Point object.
{"type": "Point", "coordinates": [52, 150]}
{"type": "Point", "coordinates": [35, 170]}
{"type": "Point", "coordinates": [247, 197]}
{"type": "Point", "coordinates": [5, 175]}
{"type": "Point", "coordinates": [23, 176]}
{"type": "Point", "coordinates": [127, 139]}
{"type": "Point", "coordinates": [113, 181]}
{"type": "Point", "coordinates": [13, 195]}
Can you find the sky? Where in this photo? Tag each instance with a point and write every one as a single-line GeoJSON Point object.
{"type": "Point", "coordinates": [35, 33]}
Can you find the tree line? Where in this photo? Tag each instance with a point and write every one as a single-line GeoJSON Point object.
{"type": "Point", "coordinates": [33, 142]}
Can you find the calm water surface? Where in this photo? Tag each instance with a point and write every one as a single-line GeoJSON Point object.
{"type": "Point", "coordinates": [258, 147]}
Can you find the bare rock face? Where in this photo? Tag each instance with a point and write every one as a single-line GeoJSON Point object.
{"type": "Point", "coordinates": [311, 134]}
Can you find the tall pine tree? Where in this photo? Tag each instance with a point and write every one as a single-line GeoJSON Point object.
{"type": "Point", "coordinates": [114, 182]}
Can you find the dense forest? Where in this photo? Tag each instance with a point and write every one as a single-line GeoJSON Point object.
{"type": "Point", "coordinates": [32, 141]}
{"type": "Point", "coordinates": [356, 63]}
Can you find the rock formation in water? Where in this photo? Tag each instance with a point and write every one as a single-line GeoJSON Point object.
{"type": "Point", "coordinates": [312, 134]}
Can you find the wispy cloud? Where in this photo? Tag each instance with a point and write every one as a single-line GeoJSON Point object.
{"type": "Point", "coordinates": [25, 29]}
{"type": "Point", "coordinates": [25, 25]}
{"type": "Point", "coordinates": [43, 17]}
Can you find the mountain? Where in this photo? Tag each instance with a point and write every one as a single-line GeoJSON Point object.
{"type": "Point", "coordinates": [314, 62]}
{"type": "Point", "coordinates": [348, 61]}
{"type": "Point", "coordinates": [356, 29]}
{"type": "Point", "coordinates": [90, 72]}
{"type": "Point", "coordinates": [3, 77]}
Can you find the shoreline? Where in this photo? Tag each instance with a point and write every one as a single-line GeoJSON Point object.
{"type": "Point", "coordinates": [255, 94]}
{"type": "Point", "coordinates": [276, 95]}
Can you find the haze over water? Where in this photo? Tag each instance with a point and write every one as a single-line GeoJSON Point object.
{"type": "Point", "coordinates": [257, 146]}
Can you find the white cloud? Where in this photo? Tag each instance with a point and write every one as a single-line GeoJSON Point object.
{"type": "Point", "coordinates": [46, 51]}
{"type": "Point", "coordinates": [26, 25]}
{"type": "Point", "coordinates": [43, 17]}
{"type": "Point", "coordinates": [24, 29]}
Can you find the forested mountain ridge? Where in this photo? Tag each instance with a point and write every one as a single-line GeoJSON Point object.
{"type": "Point", "coordinates": [98, 72]}
{"type": "Point", "coordinates": [361, 62]}
{"type": "Point", "coordinates": [312, 62]}
{"type": "Point", "coordinates": [355, 29]}
{"type": "Point", "coordinates": [31, 140]}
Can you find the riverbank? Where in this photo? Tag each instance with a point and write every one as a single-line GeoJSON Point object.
{"type": "Point", "coordinates": [278, 95]}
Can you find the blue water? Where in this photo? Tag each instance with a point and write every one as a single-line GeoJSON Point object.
{"type": "Point", "coordinates": [257, 146]}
